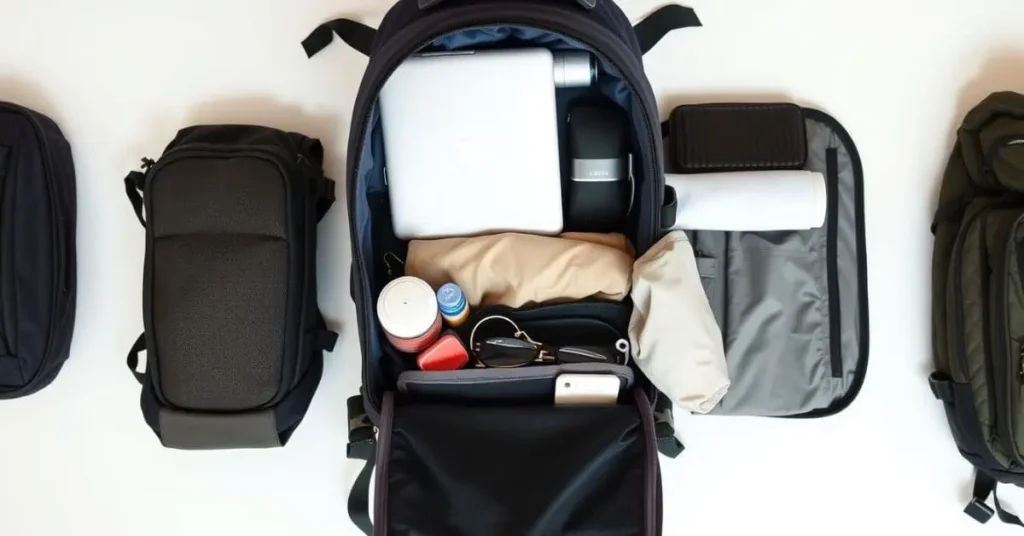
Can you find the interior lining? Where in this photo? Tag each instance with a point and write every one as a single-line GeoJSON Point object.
{"type": "Point", "coordinates": [372, 217]}
{"type": "Point", "coordinates": [770, 295]}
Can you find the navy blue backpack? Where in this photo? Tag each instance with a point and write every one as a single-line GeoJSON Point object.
{"type": "Point", "coordinates": [37, 250]}
{"type": "Point", "coordinates": [504, 467]}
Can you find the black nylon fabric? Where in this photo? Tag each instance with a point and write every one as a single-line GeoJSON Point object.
{"type": "Point", "coordinates": [37, 250]}
{"type": "Point", "coordinates": [611, 34]}
{"type": "Point", "coordinates": [536, 483]}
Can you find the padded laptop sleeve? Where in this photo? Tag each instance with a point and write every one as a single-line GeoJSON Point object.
{"type": "Point", "coordinates": [37, 250]}
{"type": "Point", "coordinates": [233, 333]}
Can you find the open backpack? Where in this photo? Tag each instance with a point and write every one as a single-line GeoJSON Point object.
{"type": "Point", "coordinates": [455, 458]}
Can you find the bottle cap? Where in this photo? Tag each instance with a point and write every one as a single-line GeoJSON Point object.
{"type": "Point", "coordinates": [407, 308]}
{"type": "Point", "coordinates": [450, 299]}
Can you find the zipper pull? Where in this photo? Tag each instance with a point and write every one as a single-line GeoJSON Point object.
{"type": "Point", "coordinates": [147, 163]}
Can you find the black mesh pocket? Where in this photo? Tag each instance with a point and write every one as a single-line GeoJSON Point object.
{"type": "Point", "coordinates": [219, 289]}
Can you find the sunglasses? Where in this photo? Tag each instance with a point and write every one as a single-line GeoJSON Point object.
{"type": "Point", "coordinates": [520, 350]}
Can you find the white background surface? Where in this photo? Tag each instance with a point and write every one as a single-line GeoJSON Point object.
{"type": "Point", "coordinates": [121, 76]}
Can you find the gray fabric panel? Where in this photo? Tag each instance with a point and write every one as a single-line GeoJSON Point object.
{"type": "Point", "coordinates": [210, 196]}
{"type": "Point", "coordinates": [199, 431]}
{"type": "Point", "coordinates": [777, 318]}
{"type": "Point", "coordinates": [771, 300]}
{"type": "Point", "coordinates": [218, 304]}
{"type": "Point", "coordinates": [219, 281]}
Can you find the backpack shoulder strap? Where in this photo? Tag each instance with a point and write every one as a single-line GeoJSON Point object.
{"type": "Point", "coordinates": [981, 512]}
{"type": "Point", "coordinates": [356, 34]}
{"type": "Point", "coordinates": [663, 20]}
{"type": "Point", "coordinates": [362, 445]}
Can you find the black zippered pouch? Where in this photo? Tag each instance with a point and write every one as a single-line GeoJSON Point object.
{"type": "Point", "coordinates": [233, 332]}
{"type": "Point", "coordinates": [37, 250]}
{"type": "Point", "coordinates": [720, 137]}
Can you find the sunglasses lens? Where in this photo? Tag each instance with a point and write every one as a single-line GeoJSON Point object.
{"type": "Point", "coordinates": [505, 352]}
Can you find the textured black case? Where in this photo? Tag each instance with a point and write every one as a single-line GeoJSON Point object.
{"type": "Point", "coordinates": [234, 337]}
{"type": "Point", "coordinates": [737, 137]}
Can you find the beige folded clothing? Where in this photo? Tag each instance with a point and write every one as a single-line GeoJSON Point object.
{"type": "Point", "coordinates": [517, 269]}
{"type": "Point", "coordinates": [675, 339]}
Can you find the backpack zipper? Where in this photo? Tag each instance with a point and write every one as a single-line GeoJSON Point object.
{"type": "Point", "coordinates": [495, 15]}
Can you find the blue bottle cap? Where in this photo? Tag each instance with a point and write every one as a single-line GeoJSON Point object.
{"type": "Point", "coordinates": [450, 299]}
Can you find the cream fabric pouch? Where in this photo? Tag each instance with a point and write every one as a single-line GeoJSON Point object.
{"type": "Point", "coordinates": [516, 269]}
{"type": "Point", "coordinates": [673, 334]}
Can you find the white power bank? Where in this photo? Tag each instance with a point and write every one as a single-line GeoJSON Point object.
{"type": "Point", "coordinates": [587, 389]}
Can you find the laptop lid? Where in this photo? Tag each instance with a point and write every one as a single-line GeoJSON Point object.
{"type": "Point", "coordinates": [471, 143]}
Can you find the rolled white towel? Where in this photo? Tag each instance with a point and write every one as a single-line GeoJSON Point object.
{"type": "Point", "coordinates": [750, 200]}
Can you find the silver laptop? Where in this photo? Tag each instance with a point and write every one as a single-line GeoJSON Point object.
{"type": "Point", "coordinates": [471, 144]}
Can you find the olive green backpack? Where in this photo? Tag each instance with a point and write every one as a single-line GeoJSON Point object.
{"type": "Point", "coordinates": [978, 304]}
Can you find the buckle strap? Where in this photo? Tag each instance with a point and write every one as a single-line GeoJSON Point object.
{"type": "Point", "coordinates": [362, 445]}
{"type": "Point", "coordinates": [356, 34]}
{"type": "Point", "coordinates": [669, 208]}
{"type": "Point", "coordinates": [984, 485]}
{"type": "Point", "coordinates": [325, 338]}
{"type": "Point", "coordinates": [324, 197]}
{"type": "Point", "coordinates": [941, 386]}
{"type": "Point", "coordinates": [664, 428]}
{"type": "Point", "coordinates": [133, 184]}
{"type": "Point", "coordinates": [133, 358]}
{"type": "Point", "coordinates": [662, 21]}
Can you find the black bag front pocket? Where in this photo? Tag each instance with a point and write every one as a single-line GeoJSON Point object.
{"type": "Point", "coordinates": [219, 290]}
{"type": "Point", "coordinates": [233, 336]}
{"type": "Point", "coordinates": [536, 470]}
{"type": "Point", "coordinates": [533, 384]}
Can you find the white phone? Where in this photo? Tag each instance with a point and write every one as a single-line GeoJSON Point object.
{"type": "Point", "coordinates": [587, 389]}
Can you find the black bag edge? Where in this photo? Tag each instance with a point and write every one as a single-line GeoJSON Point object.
{"type": "Point", "coordinates": [61, 181]}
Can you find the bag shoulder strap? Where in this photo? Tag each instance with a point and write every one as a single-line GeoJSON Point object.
{"type": "Point", "coordinates": [982, 512]}
{"type": "Point", "coordinates": [663, 20]}
{"type": "Point", "coordinates": [356, 34]}
{"type": "Point", "coordinates": [362, 445]}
